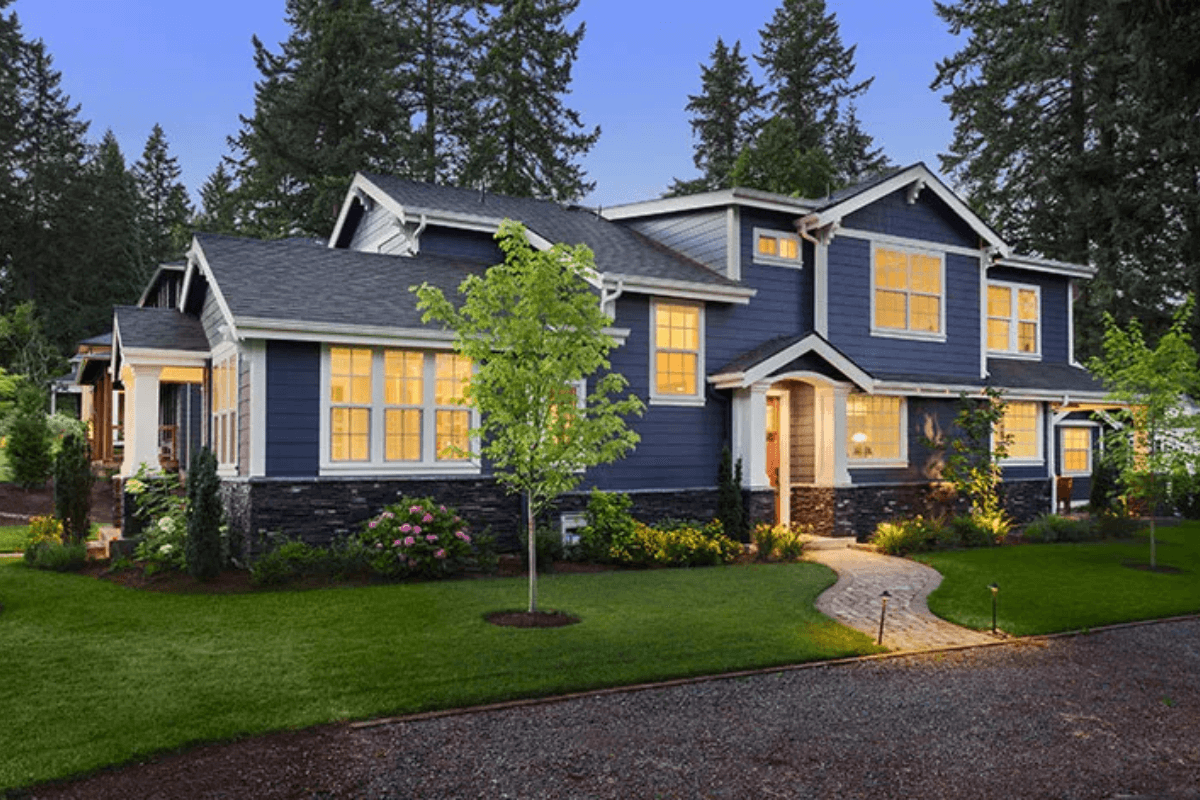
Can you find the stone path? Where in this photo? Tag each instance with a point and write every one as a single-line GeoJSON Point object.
{"type": "Point", "coordinates": [854, 600]}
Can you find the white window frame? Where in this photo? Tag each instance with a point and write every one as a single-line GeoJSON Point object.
{"type": "Point", "coordinates": [779, 261]}
{"type": "Point", "coordinates": [1062, 449]}
{"type": "Point", "coordinates": [222, 356]}
{"type": "Point", "coordinates": [697, 397]}
{"type": "Point", "coordinates": [376, 463]}
{"type": "Point", "coordinates": [1040, 435]}
{"type": "Point", "coordinates": [903, 333]}
{"type": "Point", "coordinates": [1014, 321]}
{"type": "Point", "coordinates": [879, 463]}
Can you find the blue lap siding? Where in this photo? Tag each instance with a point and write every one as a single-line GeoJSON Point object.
{"type": "Point", "coordinates": [293, 409]}
{"type": "Point", "coordinates": [928, 219]}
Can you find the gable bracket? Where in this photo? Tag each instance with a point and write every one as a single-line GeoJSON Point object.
{"type": "Point", "coordinates": [914, 190]}
{"type": "Point", "coordinates": [409, 238]}
{"type": "Point", "coordinates": [365, 199]}
{"type": "Point", "coordinates": [818, 231]}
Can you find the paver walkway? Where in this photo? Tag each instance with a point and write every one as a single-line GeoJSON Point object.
{"type": "Point", "coordinates": [855, 599]}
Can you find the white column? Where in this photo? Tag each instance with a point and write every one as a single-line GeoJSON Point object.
{"type": "Point", "coordinates": [750, 434]}
{"type": "Point", "coordinates": [141, 418]}
{"type": "Point", "coordinates": [841, 467]}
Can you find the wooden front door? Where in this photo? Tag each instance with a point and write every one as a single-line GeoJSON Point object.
{"type": "Point", "coordinates": [773, 438]}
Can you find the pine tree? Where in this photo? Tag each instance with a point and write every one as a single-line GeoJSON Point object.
{"type": "Point", "coordinates": [773, 163]}
{"type": "Point", "coordinates": [725, 116]}
{"type": "Point", "coordinates": [527, 140]}
{"type": "Point", "coordinates": [218, 204]}
{"type": "Point", "coordinates": [205, 516]}
{"type": "Point", "coordinates": [28, 447]}
{"type": "Point", "coordinates": [73, 481]}
{"type": "Point", "coordinates": [439, 47]}
{"type": "Point", "coordinates": [165, 205]}
{"type": "Point", "coordinates": [1075, 135]}
{"type": "Point", "coordinates": [324, 108]}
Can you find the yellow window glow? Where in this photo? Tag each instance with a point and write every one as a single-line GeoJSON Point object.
{"type": "Point", "coordinates": [1076, 450]}
{"type": "Point", "coordinates": [402, 434]}
{"type": "Point", "coordinates": [452, 436]}
{"type": "Point", "coordinates": [873, 427]}
{"type": "Point", "coordinates": [908, 291]}
{"type": "Point", "coordinates": [677, 346]}
{"type": "Point", "coordinates": [1021, 424]}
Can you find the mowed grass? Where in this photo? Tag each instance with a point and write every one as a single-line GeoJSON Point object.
{"type": "Point", "coordinates": [12, 538]}
{"type": "Point", "coordinates": [97, 674]}
{"type": "Point", "coordinates": [1065, 587]}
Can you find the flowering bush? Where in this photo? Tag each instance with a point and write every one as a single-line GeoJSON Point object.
{"type": "Point", "coordinates": [782, 541]}
{"type": "Point", "coordinates": [163, 509]}
{"type": "Point", "coordinates": [417, 538]}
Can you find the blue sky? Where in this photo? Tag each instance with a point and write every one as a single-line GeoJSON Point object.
{"type": "Point", "coordinates": [188, 66]}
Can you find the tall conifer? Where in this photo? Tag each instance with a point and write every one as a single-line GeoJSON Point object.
{"type": "Point", "coordinates": [165, 205]}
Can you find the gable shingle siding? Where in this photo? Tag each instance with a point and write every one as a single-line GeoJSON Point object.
{"type": "Point", "coordinates": [928, 220]}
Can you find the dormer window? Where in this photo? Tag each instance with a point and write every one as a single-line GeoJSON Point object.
{"type": "Point", "coordinates": [776, 247]}
{"type": "Point", "coordinates": [1013, 326]}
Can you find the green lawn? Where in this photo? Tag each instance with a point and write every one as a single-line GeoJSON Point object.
{"type": "Point", "coordinates": [97, 674]}
{"type": "Point", "coordinates": [1064, 587]}
{"type": "Point", "coordinates": [12, 538]}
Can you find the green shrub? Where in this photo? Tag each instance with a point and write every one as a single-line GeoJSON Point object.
{"type": "Point", "coordinates": [73, 486]}
{"type": "Point", "coordinates": [52, 554]}
{"type": "Point", "coordinates": [675, 546]}
{"type": "Point", "coordinates": [161, 507]}
{"type": "Point", "coordinates": [904, 536]}
{"type": "Point", "coordinates": [1052, 528]}
{"type": "Point", "coordinates": [731, 509]}
{"type": "Point", "coordinates": [28, 448]}
{"type": "Point", "coordinates": [1117, 524]}
{"type": "Point", "coordinates": [766, 538]}
{"type": "Point", "coordinates": [791, 543]}
{"type": "Point", "coordinates": [608, 521]}
{"type": "Point", "coordinates": [417, 537]}
{"type": "Point", "coordinates": [288, 561]}
{"type": "Point", "coordinates": [1107, 488]}
{"type": "Point", "coordinates": [1185, 494]}
{"type": "Point", "coordinates": [42, 530]}
{"type": "Point", "coordinates": [205, 517]}
{"type": "Point", "coordinates": [549, 546]}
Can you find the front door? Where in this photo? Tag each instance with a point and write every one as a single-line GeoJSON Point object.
{"type": "Point", "coordinates": [773, 439]}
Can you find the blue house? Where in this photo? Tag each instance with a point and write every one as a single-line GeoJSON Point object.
{"type": "Point", "coordinates": [825, 342]}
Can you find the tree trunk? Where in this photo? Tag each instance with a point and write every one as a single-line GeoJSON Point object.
{"type": "Point", "coordinates": [532, 533]}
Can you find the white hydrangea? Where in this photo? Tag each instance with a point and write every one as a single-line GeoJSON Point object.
{"type": "Point", "coordinates": [166, 525]}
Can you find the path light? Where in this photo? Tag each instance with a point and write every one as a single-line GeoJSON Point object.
{"type": "Point", "coordinates": [883, 598]}
{"type": "Point", "coordinates": [995, 587]}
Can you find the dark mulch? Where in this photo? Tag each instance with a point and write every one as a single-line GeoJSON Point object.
{"type": "Point", "coordinates": [531, 619]}
{"type": "Point", "coordinates": [17, 505]}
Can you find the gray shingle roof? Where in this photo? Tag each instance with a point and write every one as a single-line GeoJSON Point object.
{"type": "Point", "coordinates": [299, 280]}
{"type": "Point", "coordinates": [159, 329]}
{"type": "Point", "coordinates": [1038, 375]}
{"type": "Point", "coordinates": [618, 249]}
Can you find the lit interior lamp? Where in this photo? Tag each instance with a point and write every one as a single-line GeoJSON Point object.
{"type": "Point", "coordinates": [860, 448]}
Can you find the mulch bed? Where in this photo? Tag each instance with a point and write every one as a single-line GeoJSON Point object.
{"type": "Point", "coordinates": [531, 619]}
{"type": "Point", "coordinates": [17, 505]}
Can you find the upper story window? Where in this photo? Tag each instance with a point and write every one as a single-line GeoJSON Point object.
{"type": "Point", "coordinates": [1022, 423]}
{"type": "Point", "coordinates": [396, 408]}
{"type": "Point", "coordinates": [875, 429]}
{"type": "Point", "coordinates": [908, 293]}
{"type": "Point", "coordinates": [224, 409]}
{"type": "Point", "coordinates": [677, 352]}
{"type": "Point", "coordinates": [1013, 325]}
{"type": "Point", "coordinates": [776, 247]}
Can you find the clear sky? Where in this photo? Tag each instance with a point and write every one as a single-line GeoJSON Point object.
{"type": "Point", "coordinates": [187, 65]}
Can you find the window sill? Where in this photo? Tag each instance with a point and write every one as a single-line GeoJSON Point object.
{"type": "Point", "coordinates": [364, 469]}
{"type": "Point", "coordinates": [1022, 462]}
{"type": "Point", "coordinates": [852, 464]}
{"type": "Point", "coordinates": [1014, 356]}
{"type": "Point", "coordinates": [680, 400]}
{"type": "Point", "coordinates": [890, 333]}
{"type": "Point", "coordinates": [1065, 474]}
{"type": "Point", "coordinates": [791, 263]}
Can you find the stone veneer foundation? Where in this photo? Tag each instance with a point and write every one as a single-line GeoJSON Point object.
{"type": "Point", "coordinates": [857, 510]}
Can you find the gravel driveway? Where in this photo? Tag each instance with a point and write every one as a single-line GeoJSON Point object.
{"type": "Point", "coordinates": [1113, 714]}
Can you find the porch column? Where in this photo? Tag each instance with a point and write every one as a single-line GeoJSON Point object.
{"type": "Point", "coordinates": [141, 418]}
{"type": "Point", "coordinates": [841, 468]}
{"type": "Point", "coordinates": [750, 434]}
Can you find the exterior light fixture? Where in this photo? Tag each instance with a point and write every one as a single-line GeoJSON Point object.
{"type": "Point", "coordinates": [995, 587]}
{"type": "Point", "coordinates": [883, 598]}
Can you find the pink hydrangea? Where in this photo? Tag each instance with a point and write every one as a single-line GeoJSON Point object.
{"type": "Point", "coordinates": [462, 536]}
{"type": "Point", "coordinates": [409, 541]}
{"type": "Point", "coordinates": [431, 537]}
{"type": "Point", "coordinates": [415, 509]}
{"type": "Point", "coordinates": [440, 554]}
{"type": "Point", "coordinates": [442, 508]}
{"type": "Point", "coordinates": [416, 529]}
{"type": "Point", "coordinates": [372, 524]}
{"type": "Point", "coordinates": [387, 515]}
{"type": "Point", "coordinates": [405, 528]}
{"type": "Point", "coordinates": [427, 518]}
{"type": "Point", "coordinates": [396, 543]}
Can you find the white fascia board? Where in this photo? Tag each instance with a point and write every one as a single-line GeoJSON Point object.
{"type": "Point", "coordinates": [300, 330]}
{"type": "Point", "coordinates": [952, 390]}
{"type": "Point", "coordinates": [157, 357]}
{"type": "Point", "coordinates": [753, 198]}
{"type": "Point", "coordinates": [684, 290]}
{"type": "Point", "coordinates": [361, 183]}
{"type": "Point", "coordinates": [917, 172]}
{"type": "Point", "coordinates": [809, 344]}
{"type": "Point", "coordinates": [206, 271]}
{"type": "Point", "coordinates": [1048, 265]}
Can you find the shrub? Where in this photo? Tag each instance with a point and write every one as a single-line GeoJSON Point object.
{"type": "Point", "coordinates": [162, 508]}
{"type": "Point", "coordinates": [792, 542]}
{"type": "Point", "coordinates": [205, 517]}
{"type": "Point", "coordinates": [904, 536]}
{"type": "Point", "coordinates": [675, 545]}
{"type": "Point", "coordinates": [1185, 494]}
{"type": "Point", "coordinates": [549, 546]}
{"type": "Point", "coordinates": [767, 537]}
{"type": "Point", "coordinates": [731, 510]}
{"type": "Point", "coordinates": [42, 530]}
{"type": "Point", "coordinates": [608, 522]}
{"type": "Point", "coordinates": [28, 447]}
{"type": "Point", "coordinates": [1106, 491]}
{"type": "Point", "coordinates": [417, 538]}
{"type": "Point", "coordinates": [288, 561]}
{"type": "Point", "coordinates": [73, 486]}
{"type": "Point", "coordinates": [56, 556]}
{"type": "Point", "coordinates": [1053, 528]}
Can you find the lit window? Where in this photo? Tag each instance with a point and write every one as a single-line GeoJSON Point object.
{"type": "Point", "coordinates": [1076, 451]}
{"type": "Point", "coordinates": [776, 247]}
{"type": "Point", "coordinates": [907, 292]}
{"type": "Point", "coordinates": [1022, 424]}
{"type": "Point", "coordinates": [874, 428]}
{"type": "Point", "coordinates": [224, 410]}
{"type": "Point", "coordinates": [453, 421]}
{"type": "Point", "coordinates": [677, 357]}
{"type": "Point", "coordinates": [1013, 313]}
{"type": "Point", "coordinates": [404, 392]}
{"type": "Point", "coordinates": [350, 403]}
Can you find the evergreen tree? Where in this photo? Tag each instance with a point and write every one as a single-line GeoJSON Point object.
{"type": "Point", "coordinates": [1075, 134]}
{"type": "Point", "coordinates": [10, 45]}
{"type": "Point", "coordinates": [28, 448]}
{"type": "Point", "coordinates": [439, 49]}
{"type": "Point", "coordinates": [773, 163]}
{"type": "Point", "coordinates": [810, 78]}
{"type": "Point", "coordinates": [725, 117]}
{"type": "Point", "coordinates": [165, 205]}
{"type": "Point", "coordinates": [218, 204]}
{"type": "Point", "coordinates": [527, 140]}
{"type": "Point", "coordinates": [73, 487]}
{"type": "Point", "coordinates": [205, 516]}
{"type": "Point", "coordinates": [325, 107]}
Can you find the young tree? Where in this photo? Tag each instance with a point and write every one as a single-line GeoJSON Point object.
{"type": "Point", "coordinates": [1156, 382]}
{"type": "Point", "coordinates": [725, 117]}
{"type": "Point", "coordinates": [73, 487]}
{"type": "Point", "coordinates": [165, 205]}
{"type": "Point", "coordinates": [977, 449]}
{"type": "Point", "coordinates": [205, 516]}
{"type": "Point", "coordinates": [534, 329]}
{"type": "Point", "coordinates": [526, 140]}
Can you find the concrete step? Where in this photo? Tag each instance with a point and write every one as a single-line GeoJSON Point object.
{"type": "Point", "coordinates": [829, 543]}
